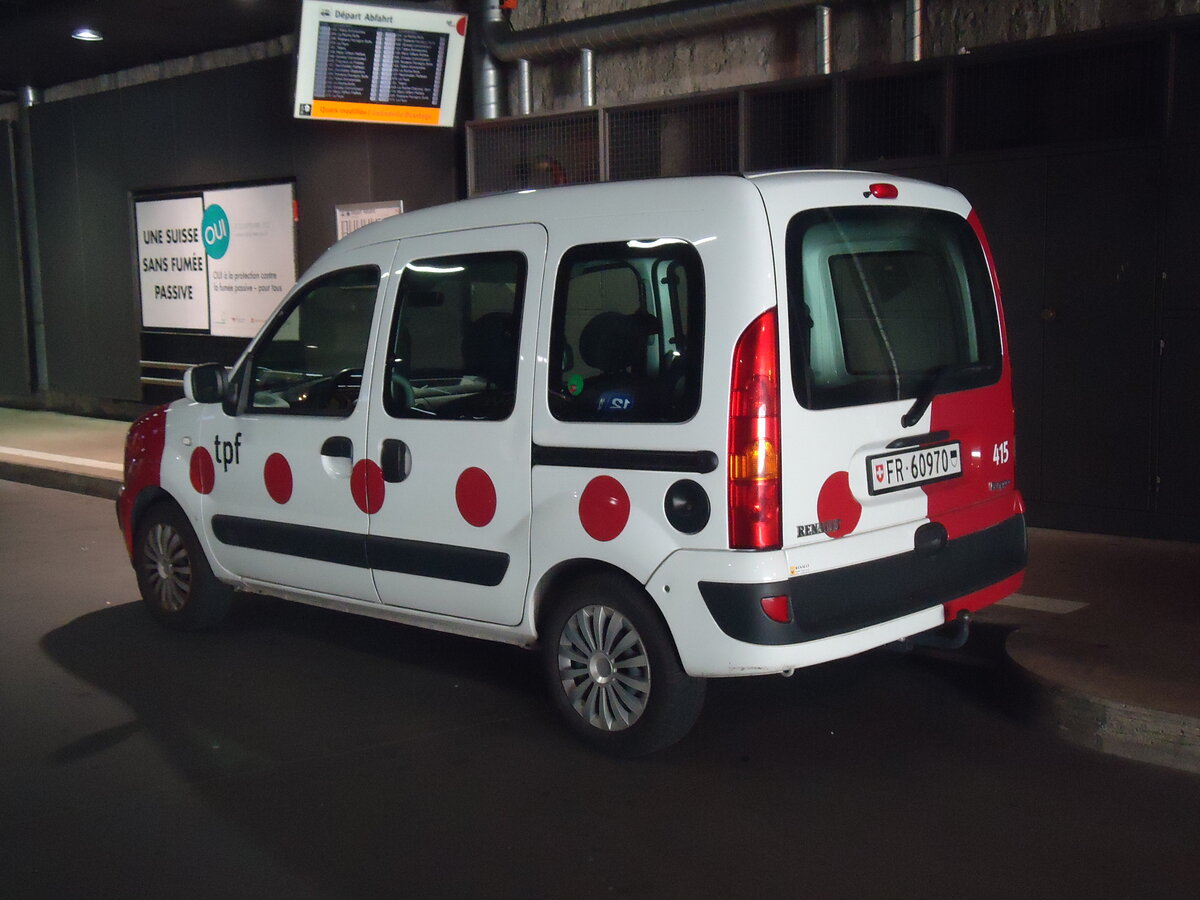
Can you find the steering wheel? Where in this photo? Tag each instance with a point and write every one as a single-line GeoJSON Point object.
{"type": "Point", "coordinates": [335, 393]}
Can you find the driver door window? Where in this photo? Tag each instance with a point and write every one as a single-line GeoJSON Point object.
{"type": "Point", "coordinates": [312, 363]}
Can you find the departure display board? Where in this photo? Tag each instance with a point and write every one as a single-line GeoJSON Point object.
{"type": "Point", "coordinates": [370, 63]}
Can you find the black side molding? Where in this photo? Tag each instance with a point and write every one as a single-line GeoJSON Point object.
{"type": "Point", "coordinates": [699, 462]}
{"type": "Point", "coordinates": [304, 541]}
{"type": "Point", "coordinates": [468, 565]}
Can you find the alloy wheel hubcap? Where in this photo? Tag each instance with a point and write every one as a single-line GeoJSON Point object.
{"type": "Point", "coordinates": [167, 568]}
{"type": "Point", "coordinates": [603, 668]}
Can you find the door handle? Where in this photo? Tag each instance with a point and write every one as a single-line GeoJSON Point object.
{"type": "Point", "coordinates": [337, 455]}
{"type": "Point", "coordinates": [338, 446]}
{"type": "Point", "coordinates": [395, 461]}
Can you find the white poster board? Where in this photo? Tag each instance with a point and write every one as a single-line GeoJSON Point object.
{"type": "Point", "coordinates": [353, 216]}
{"type": "Point", "coordinates": [171, 264]}
{"type": "Point", "coordinates": [216, 261]}
{"type": "Point", "coordinates": [250, 239]}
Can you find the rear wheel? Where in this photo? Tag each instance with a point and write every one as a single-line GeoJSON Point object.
{"type": "Point", "coordinates": [613, 672]}
{"type": "Point", "coordinates": [173, 575]}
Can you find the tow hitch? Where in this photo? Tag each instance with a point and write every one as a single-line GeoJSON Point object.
{"type": "Point", "coordinates": [950, 636]}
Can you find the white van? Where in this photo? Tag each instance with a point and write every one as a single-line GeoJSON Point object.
{"type": "Point", "coordinates": [662, 431]}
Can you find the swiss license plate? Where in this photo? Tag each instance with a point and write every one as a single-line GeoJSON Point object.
{"type": "Point", "coordinates": [908, 468]}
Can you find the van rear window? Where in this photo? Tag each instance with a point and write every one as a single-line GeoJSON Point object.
{"type": "Point", "coordinates": [884, 301]}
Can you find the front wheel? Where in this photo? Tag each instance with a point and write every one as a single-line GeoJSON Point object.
{"type": "Point", "coordinates": [613, 672]}
{"type": "Point", "coordinates": [173, 575]}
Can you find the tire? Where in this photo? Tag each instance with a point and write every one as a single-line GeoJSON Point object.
{"type": "Point", "coordinates": [613, 672]}
{"type": "Point", "coordinates": [173, 575]}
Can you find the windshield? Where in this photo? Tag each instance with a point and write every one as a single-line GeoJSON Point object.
{"type": "Point", "coordinates": [885, 303]}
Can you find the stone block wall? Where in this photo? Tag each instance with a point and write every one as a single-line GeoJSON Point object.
{"type": "Point", "coordinates": [864, 34]}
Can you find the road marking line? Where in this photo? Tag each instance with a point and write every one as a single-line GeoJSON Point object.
{"type": "Point", "coordinates": [1042, 604]}
{"type": "Point", "coordinates": [69, 460]}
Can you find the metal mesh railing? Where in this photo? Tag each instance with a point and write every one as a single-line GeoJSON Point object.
{"type": "Point", "coordinates": [512, 154]}
{"type": "Point", "coordinates": [790, 128]}
{"type": "Point", "coordinates": [1185, 115]}
{"type": "Point", "coordinates": [1097, 94]}
{"type": "Point", "coordinates": [697, 137]}
{"type": "Point", "coordinates": [1105, 92]}
{"type": "Point", "coordinates": [895, 117]}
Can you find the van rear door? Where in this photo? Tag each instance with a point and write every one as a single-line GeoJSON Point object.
{"type": "Point", "coordinates": [898, 410]}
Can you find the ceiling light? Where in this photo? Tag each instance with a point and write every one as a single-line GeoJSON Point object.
{"type": "Point", "coordinates": [87, 34]}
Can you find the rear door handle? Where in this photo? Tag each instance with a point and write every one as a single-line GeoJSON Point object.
{"type": "Point", "coordinates": [395, 461]}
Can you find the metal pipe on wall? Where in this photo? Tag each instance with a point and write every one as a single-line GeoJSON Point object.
{"type": "Point", "coordinates": [912, 31]}
{"type": "Point", "coordinates": [587, 77]}
{"type": "Point", "coordinates": [622, 29]}
{"type": "Point", "coordinates": [823, 15]}
{"type": "Point", "coordinates": [496, 42]}
{"type": "Point", "coordinates": [34, 300]}
{"type": "Point", "coordinates": [524, 87]}
{"type": "Point", "coordinates": [488, 91]}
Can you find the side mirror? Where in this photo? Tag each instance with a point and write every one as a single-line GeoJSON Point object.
{"type": "Point", "coordinates": [206, 384]}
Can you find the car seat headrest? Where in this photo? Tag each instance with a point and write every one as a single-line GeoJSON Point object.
{"type": "Point", "coordinates": [489, 348]}
{"type": "Point", "coordinates": [613, 342]}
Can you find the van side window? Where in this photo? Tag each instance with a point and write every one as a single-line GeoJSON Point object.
{"type": "Point", "coordinates": [454, 341]}
{"type": "Point", "coordinates": [627, 338]}
{"type": "Point", "coordinates": [311, 362]}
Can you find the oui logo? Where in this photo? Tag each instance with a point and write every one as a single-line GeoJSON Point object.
{"type": "Point", "coordinates": [214, 230]}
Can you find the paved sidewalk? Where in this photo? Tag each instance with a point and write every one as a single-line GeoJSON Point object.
{"type": "Point", "coordinates": [1105, 633]}
{"type": "Point", "coordinates": [72, 453]}
{"type": "Point", "coordinates": [1108, 636]}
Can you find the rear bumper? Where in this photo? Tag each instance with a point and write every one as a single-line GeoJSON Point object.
{"type": "Point", "coordinates": [712, 599]}
{"type": "Point", "coordinates": [837, 601]}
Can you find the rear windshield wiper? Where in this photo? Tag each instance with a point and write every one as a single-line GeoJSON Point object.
{"type": "Point", "coordinates": [935, 383]}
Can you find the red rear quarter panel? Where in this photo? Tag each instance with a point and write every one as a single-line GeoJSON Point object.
{"type": "Point", "coordinates": [143, 464]}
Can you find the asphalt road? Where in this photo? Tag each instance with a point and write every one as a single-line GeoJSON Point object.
{"type": "Point", "coordinates": [301, 753]}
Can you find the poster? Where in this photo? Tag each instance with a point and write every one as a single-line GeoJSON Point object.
{"type": "Point", "coordinates": [172, 273]}
{"type": "Point", "coordinates": [353, 216]}
{"type": "Point", "coordinates": [250, 243]}
{"type": "Point", "coordinates": [215, 261]}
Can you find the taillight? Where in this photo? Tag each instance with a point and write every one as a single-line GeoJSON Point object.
{"type": "Point", "coordinates": [755, 520]}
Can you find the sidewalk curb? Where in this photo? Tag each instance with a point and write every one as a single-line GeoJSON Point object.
{"type": "Point", "coordinates": [74, 482]}
{"type": "Point", "coordinates": [1108, 726]}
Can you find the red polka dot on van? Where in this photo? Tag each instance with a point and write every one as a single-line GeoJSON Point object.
{"type": "Point", "coordinates": [366, 486]}
{"type": "Point", "coordinates": [836, 502]}
{"type": "Point", "coordinates": [475, 495]}
{"type": "Point", "coordinates": [201, 470]}
{"type": "Point", "coordinates": [277, 476]}
{"type": "Point", "coordinates": [604, 508]}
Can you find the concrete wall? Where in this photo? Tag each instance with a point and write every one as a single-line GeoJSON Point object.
{"type": "Point", "coordinates": [864, 33]}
